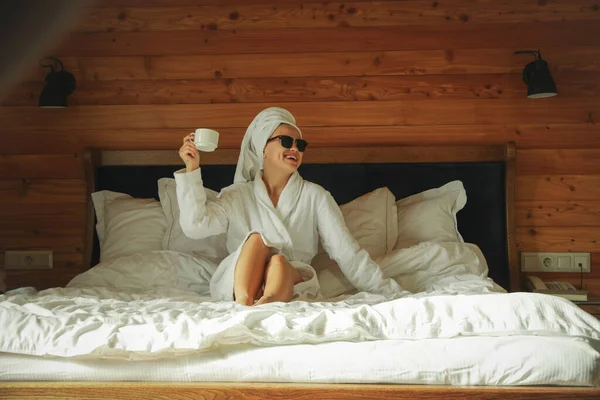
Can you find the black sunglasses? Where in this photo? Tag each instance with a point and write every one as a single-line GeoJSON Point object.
{"type": "Point", "coordinates": [288, 142]}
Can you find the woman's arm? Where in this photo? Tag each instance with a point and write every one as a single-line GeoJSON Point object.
{"type": "Point", "coordinates": [197, 217]}
{"type": "Point", "coordinates": [354, 261]}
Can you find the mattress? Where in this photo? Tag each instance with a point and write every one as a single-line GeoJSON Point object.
{"type": "Point", "coordinates": [514, 360]}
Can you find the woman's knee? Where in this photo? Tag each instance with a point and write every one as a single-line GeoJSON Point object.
{"type": "Point", "coordinates": [285, 268]}
{"type": "Point", "coordinates": [278, 259]}
{"type": "Point", "coordinates": [255, 245]}
{"type": "Point", "coordinates": [255, 239]}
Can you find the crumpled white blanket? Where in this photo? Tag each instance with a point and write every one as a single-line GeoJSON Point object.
{"type": "Point", "coordinates": [429, 267]}
{"type": "Point", "coordinates": [107, 313]}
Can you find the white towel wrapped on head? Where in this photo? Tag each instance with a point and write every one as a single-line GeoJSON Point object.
{"type": "Point", "coordinates": [259, 131]}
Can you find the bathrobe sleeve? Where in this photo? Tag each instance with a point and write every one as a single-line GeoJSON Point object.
{"type": "Point", "coordinates": [198, 217]}
{"type": "Point", "coordinates": [354, 261]}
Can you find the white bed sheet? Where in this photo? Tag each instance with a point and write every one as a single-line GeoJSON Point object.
{"type": "Point", "coordinates": [516, 360]}
{"type": "Point", "coordinates": [146, 317]}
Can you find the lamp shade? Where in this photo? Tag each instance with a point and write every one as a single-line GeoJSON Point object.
{"type": "Point", "coordinates": [539, 82]}
{"type": "Point", "coordinates": [59, 84]}
{"type": "Point", "coordinates": [537, 76]}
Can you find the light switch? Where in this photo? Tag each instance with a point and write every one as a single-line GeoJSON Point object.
{"type": "Point", "coordinates": [564, 263]}
{"type": "Point", "coordinates": [529, 263]}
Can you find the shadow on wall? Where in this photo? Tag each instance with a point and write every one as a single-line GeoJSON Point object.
{"type": "Point", "coordinates": [35, 27]}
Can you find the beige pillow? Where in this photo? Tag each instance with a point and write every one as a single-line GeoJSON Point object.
{"type": "Point", "coordinates": [430, 215]}
{"type": "Point", "coordinates": [371, 221]}
{"type": "Point", "coordinates": [213, 247]}
{"type": "Point", "coordinates": [127, 225]}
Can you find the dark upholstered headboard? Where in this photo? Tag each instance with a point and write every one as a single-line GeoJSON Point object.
{"type": "Point", "coordinates": [487, 173]}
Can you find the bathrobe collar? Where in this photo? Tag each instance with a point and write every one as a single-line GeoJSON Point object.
{"type": "Point", "coordinates": [287, 200]}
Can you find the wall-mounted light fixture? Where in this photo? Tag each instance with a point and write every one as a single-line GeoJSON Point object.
{"type": "Point", "coordinates": [59, 84]}
{"type": "Point", "coordinates": [537, 76]}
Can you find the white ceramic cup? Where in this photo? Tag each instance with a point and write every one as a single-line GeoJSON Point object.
{"type": "Point", "coordinates": [206, 139]}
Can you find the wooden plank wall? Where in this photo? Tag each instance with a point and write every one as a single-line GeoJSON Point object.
{"type": "Point", "coordinates": [352, 72]}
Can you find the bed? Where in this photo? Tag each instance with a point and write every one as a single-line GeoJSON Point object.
{"type": "Point", "coordinates": [469, 333]}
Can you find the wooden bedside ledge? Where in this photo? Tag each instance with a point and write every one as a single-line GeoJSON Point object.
{"type": "Point", "coordinates": [592, 306]}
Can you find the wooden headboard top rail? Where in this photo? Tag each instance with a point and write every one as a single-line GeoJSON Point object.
{"type": "Point", "coordinates": [323, 155]}
{"type": "Point", "coordinates": [505, 153]}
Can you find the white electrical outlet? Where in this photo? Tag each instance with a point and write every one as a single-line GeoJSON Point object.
{"type": "Point", "coordinates": [28, 260]}
{"type": "Point", "coordinates": [555, 262]}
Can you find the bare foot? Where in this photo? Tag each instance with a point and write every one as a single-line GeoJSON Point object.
{"type": "Point", "coordinates": [265, 300]}
{"type": "Point", "coordinates": [245, 301]}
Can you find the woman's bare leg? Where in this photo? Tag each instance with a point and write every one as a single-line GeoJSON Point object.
{"type": "Point", "coordinates": [280, 278]}
{"type": "Point", "coordinates": [250, 270]}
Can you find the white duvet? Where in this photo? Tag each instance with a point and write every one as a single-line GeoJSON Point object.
{"type": "Point", "coordinates": [154, 305]}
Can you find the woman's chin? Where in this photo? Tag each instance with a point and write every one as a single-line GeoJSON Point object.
{"type": "Point", "coordinates": [290, 170]}
{"type": "Point", "coordinates": [290, 167]}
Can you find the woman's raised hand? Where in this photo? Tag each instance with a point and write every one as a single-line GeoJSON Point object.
{"type": "Point", "coordinates": [189, 153]}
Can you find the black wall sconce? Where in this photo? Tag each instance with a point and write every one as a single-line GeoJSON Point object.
{"type": "Point", "coordinates": [537, 76]}
{"type": "Point", "coordinates": [59, 84]}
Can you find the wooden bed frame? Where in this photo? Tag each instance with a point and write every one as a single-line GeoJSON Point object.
{"type": "Point", "coordinates": [226, 390]}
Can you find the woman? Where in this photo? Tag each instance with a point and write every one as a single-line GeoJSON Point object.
{"type": "Point", "coordinates": [273, 219]}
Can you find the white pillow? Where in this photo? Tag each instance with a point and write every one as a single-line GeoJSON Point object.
{"type": "Point", "coordinates": [127, 225]}
{"type": "Point", "coordinates": [174, 239]}
{"type": "Point", "coordinates": [150, 270]}
{"type": "Point", "coordinates": [430, 215]}
{"type": "Point", "coordinates": [371, 221]}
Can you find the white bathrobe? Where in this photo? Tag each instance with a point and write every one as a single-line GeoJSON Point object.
{"type": "Point", "coordinates": [305, 211]}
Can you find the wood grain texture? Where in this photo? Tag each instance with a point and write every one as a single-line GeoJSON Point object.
{"type": "Point", "coordinates": [292, 40]}
{"type": "Point", "coordinates": [458, 112]}
{"type": "Point", "coordinates": [42, 191]}
{"type": "Point", "coordinates": [559, 239]}
{"type": "Point", "coordinates": [40, 166]}
{"type": "Point", "coordinates": [260, 391]}
{"type": "Point", "coordinates": [69, 240]}
{"type": "Point", "coordinates": [537, 136]}
{"type": "Point", "coordinates": [558, 213]}
{"type": "Point", "coordinates": [593, 309]}
{"type": "Point", "coordinates": [265, 90]}
{"type": "Point", "coordinates": [59, 235]}
{"type": "Point", "coordinates": [559, 161]}
{"type": "Point", "coordinates": [45, 215]}
{"type": "Point", "coordinates": [330, 14]}
{"type": "Point", "coordinates": [448, 61]}
{"type": "Point", "coordinates": [40, 280]}
{"type": "Point", "coordinates": [166, 3]}
{"type": "Point", "coordinates": [558, 187]}
{"type": "Point", "coordinates": [344, 155]}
